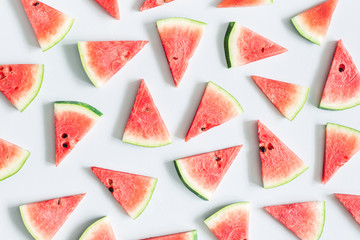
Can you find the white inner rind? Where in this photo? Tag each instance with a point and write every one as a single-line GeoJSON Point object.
{"type": "Point", "coordinates": [305, 30]}
{"type": "Point", "coordinates": [293, 110]}
{"type": "Point", "coordinates": [233, 49]}
{"type": "Point", "coordinates": [68, 107]}
{"type": "Point", "coordinates": [28, 223]}
{"type": "Point", "coordinates": [15, 165]}
{"type": "Point", "coordinates": [282, 181]}
{"type": "Point", "coordinates": [140, 141]}
{"type": "Point", "coordinates": [84, 56]}
{"type": "Point", "coordinates": [136, 213]}
{"type": "Point", "coordinates": [62, 31]}
{"type": "Point", "coordinates": [181, 22]}
{"type": "Point", "coordinates": [349, 103]}
{"type": "Point", "coordinates": [227, 95]}
{"type": "Point", "coordinates": [93, 228]}
{"type": "Point", "coordinates": [321, 212]}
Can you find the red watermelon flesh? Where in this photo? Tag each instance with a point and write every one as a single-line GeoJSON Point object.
{"type": "Point", "coordinates": [342, 88]}
{"type": "Point", "coordinates": [217, 106]}
{"type": "Point", "coordinates": [148, 4]}
{"type": "Point", "coordinates": [145, 126]}
{"type": "Point", "coordinates": [306, 220]}
{"type": "Point", "coordinates": [191, 235]}
{"type": "Point", "coordinates": [132, 191]}
{"type": "Point", "coordinates": [279, 165]}
{"type": "Point", "coordinates": [203, 173]}
{"type": "Point", "coordinates": [243, 3]}
{"type": "Point", "coordinates": [102, 59]}
{"type": "Point", "coordinates": [99, 230]}
{"type": "Point", "coordinates": [111, 6]}
{"type": "Point", "coordinates": [44, 219]}
{"type": "Point", "coordinates": [341, 144]}
{"type": "Point", "coordinates": [351, 203]}
{"type": "Point", "coordinates": [180, 37]}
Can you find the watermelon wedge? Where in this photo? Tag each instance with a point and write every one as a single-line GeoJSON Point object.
{"type": "Point", "coordinates": [20, 83]}
{"type": "Point", "coordinates": [132, 191]}
{"type": "Point", "coordinates": [72, 121]}
{"type": "Point", "coordinates": [99, 230]}
{"type": "Point", "coordinates": [243, 3]}
{"type": "Point", "coordinates": [203, 173]}
{"type": "Point", "coordinates": [190, 235]}
{"type": "Point", "coordinates": [12, 158]}
{"type": "Point", "coordinates": [243, 46]}
{"type": "Point", "coordinates": [306, 220]}
{"type": "Point", "coordinates": [217, 106]}
{"type": "Point", "coordinates": [279, 165]}
{"type": "Point", "coordinates": [288, 98]}
{"type": "Point", "coordinates": [44, 219]}
{"type": "Point", "coordinates": [180, 38]}
{"type": "Point", "coordinates": [341, 143]}
{"type": "Point", "coordinates": [145, 126]}
{"type": "Point", "coordinates": [342, 88]}
{"type": "Point", "coordinates": [148, 4]}
{"type": "Point", "coordinates": [314, 23]}
{"type": "Point", "coordinates": [351, 203]}
{"type": "Point", "coordinates": [230, 222]}
{"type": "Point", "coordinates": [102, 59]}
{"type": "Point", "coordinates": [50, 25]}
{"type": "Point", "coordinates": [111, 6]}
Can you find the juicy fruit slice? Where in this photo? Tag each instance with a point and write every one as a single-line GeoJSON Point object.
{"type": "Point", "coordinates": [314, 23]}
{"type": "Point", "coordinates": [341, 143]}
{"type": "Point", "coordinates": [180, 38]}
{"type": "Point", "coordinates": [243, 46]}
{"type": "Point", "coordinates": [217, 106]}
{"type": "Point", "coordinates": [50, 25]}
{"type": "Point", "coordinates": [190, 235]}
{"type": "Point", "coordinates": [203, 173]}
{"type": "Point", "coordinates": [72, 121]}
{"type": "Point", "coordinates": [111, 6]}
{"type": "Point", "coordinates": [20, 83]}
{"type": "Point", "coordinates": [351, 203]}
{"type": "Point", "coordinates": [12, 158]}
{"type": "Point", "coordinates": [288, 98]}
{"type": "Point", "coordinates": [102, 59]}
{"type": "Point", "coordinates": [148, 4]}
{"type": "Point", "coordinates": [243, 3]}
{"type": "Point", "coordinates": [132, 191]}
{"type": "Point", "coordinates": [99, 230]}
{"type": "Point", "coordinates": [145, 126]}
{"type": "Point", "coordinates": [342, 88]}
{"type": "Point", "coordinates": [279, 165]}
{"type": "Point", "coordinates": [230, 222]}
{"type": "Point", "coordinates": [44, 219]}
{"type": "Point", "coordinates": [306, 220]}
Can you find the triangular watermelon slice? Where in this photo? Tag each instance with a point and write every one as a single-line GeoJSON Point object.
{"type": "Point", "coordinates": [351, 203]}
{"type": "Point", "coordinates": [99, 230]}
{"type": "Point", "coordinates": [217, 106]}
{"type": "Point", "coordinates": [288, 98]}
{"type": "Point", "coordinates": [148, 4]}
{"type": "Point", "coordinates": [44, 219]}
{"type": "Point", "coordinates": [306, 220]}
{"type": "Point", "coordinates": [190, 235]}
{"type": "Point", "coordinates": [20, 83]}
{"type": "Point", "coordinates": [180, 38]}
{"type": "Point", "coordinates": [132, 191]}
{"type": "Point", "coordinates": [203, 173]}
{"type": "Point", "coordinates": [341, 144]}
{"type": "Point", "coordinates": [50, 25]}
{"type": "Point", "coordinates": [243, 46]}
{"type": "Point", "coordinates": [243, 3]}
{"type": "Point", "coordinates": [314, 23]}
{"type": "Point", "coordinates": [72, 121]}
{"type": "Point", "coordinates": [230, 222]}
{"type": "Point", "coordinates": [145, 126]}
{"type": "Point", "coordinates": [279, 165]}
{"type": "Point", "coordinates": [12, 158]}
{"type": "Point", "coordinates": [342, 88]}
{"type": "Point", "coordinates": [102, 59]}
{"type": "Point", "coordinates": [111, 6]}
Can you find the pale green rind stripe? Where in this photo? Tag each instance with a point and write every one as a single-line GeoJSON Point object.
{"type": "Point", "coordinates": [81, 104]}
{"type": "Point", "coordinates": [304, 33]}
{"type": "Point", "coordinates": [228, 207]}
{"type": "Point", "coordinates": [82, 53]}
{"type": "Point", "coordinates": [84, 235]}
{"type": "Point", "coordinates": [299, 106]}
{"type": "Point", "coordinates": [61, 37]}
{"type": "Point", "coordinates": [26, 222]}
{"type": "Point", "coordinates": [226, 93]}
{"type": "Point", "coordinates": [298, 173]}
{"type": "Point", "coordinates": [146, 202]}
{"type": "Point", "coordinates": [17, 169]}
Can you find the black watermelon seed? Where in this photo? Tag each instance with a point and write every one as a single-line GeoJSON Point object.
{"type": "Point", "coordinates": [262, 149]}
{"type": "Point", "coordinates": [35, 4]}
{"type": "Point", "coordinates": [111, 189]}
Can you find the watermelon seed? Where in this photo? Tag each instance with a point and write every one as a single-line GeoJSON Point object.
{"type": "Point", "coordinates": [175, 58]}
{"type": "Point", "coordinates": [262, 50]}
{"type": "Point", "coordinates": [64, 135]}
{"type": "Point", "coordinates": [110, 181]}
{"type": "Point", "coordinates": [16, 88]}
{"type": "Point", "coordinates": [65, 145]}
{"type": "Point", "coordinates": [35, 4]}
{"type": "Point", "coordinates": [111, 189]}
{"type": "Point", "coordinates": [10, 69]}
{"type": "Point", "coordinates": [59, 201]}
{"type": "Point", "coordinates": [203, 129]}
{"type": "Point", "coordinates": [262, 148]}
{"type": "Point", "coordinates": [217, 158]}
{"type": "Point", "coordinates": [2, 76]}
{"type": "Point", "coordinates": [341, 68]}
{"type": "Point", "coordinates": [270, 146]}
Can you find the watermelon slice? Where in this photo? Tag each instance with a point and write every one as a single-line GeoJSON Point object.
{"type": "Point", "coordinates": [288, 98]}
{"type": "Point", "coordinates": [190, 235]}
{"type": "Point", "coordinates": [217, 106]}
{"type": "Point", "coordinates": [72, 121]}
{"type": "Point", "coordinates": [44, 219]}
{"type": "Point", "coordinates": [148, 4]}
{"type": "Point", "coordinates": [20, 83]}
{"type": "Point", "coordinates": [279, 165]}
{"type": "Point", "coordinates": [102, 59]}
{"type": "Point", "coordinates": [243, 3]}
{"type": "Point", "coordinates": [306, 220]}
{"type": "Point", "coordinates": [342, 88]}
{"type": "Point", "coordinates": [132, 191]}
{"type": "Point", "coordinates": [203, 173]}
{"type": "Point", "coordinates": [50, 25]}
{"type": "Point", "coordinates": [341, 143]}
{"type": "Point", "coordinates": [12, 158]}
{"type": "Point", "coordinates": [314, 23]}
{"type": "Point", "coordinates": [180, 38]}
{"type": "Point", "coordinates": [351, 203]}
{"type": "Point", "coordinates": [99, 230]}
{"type": "Point", "coordinates": [230, 222]}
{"type": "Point", "coordinates": [243, 46]}
{"type": "Point", "coordinates": [111, 6]}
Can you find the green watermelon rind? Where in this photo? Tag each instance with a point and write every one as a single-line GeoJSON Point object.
{"type": "Point", "coordinates": [30, 230]}
{"type": "Point", "coordinates": [303, 32]}
{"type": "Point", "coordinates": [61, 37]}
{"type": "Point", "coordinates": [226, 93]}
{"type": "Point", "coordinates": [339, 107]}
{"type": "Point", "coordinates": [300, 105]}
{"type": "Point", "coordinates": [147, 200]}
{"type": "Point", "coordinates": [159, 144]}
{"type": "Point", "coordinates": [302, 170]}
{"type": "Point", "coordinates": [323, 221]}
{"type": "Point", "coordinates": [17, 169]}
{"type": "Point", "coordinates": [81, 104]}
{"type": "Point", "coordinates": [179, 20]}
{"type": "Point", "coordinates": [227, 43]}
{"type": "Point", "coordinates": [94, 224]}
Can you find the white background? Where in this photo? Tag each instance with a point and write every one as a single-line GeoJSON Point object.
{"type": "Point", "coordinates": [173, 207]}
